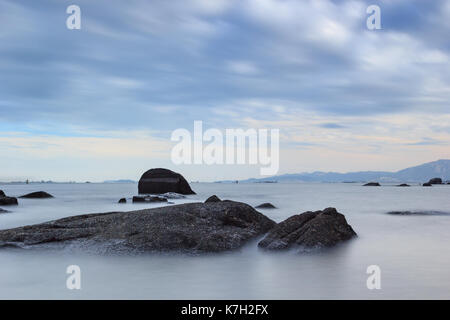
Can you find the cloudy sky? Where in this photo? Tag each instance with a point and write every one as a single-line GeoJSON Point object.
{"type": "Point", "coordinates": [101, 102]}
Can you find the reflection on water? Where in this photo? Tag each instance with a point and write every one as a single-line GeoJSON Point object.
{"type": "Point", "coordinates": [412, 251]}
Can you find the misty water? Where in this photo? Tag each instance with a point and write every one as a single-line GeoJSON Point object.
{"type": "Point", "coordinates": [413, 252]}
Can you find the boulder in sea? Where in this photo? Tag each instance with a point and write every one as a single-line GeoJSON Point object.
{"type": "Point", "coordinates": [310, 229]}
{"type": "Point", "coordinates": [37, 195]}
{"type": "Point", "coordinates": [266, 205]}
{"type": "Point", "coordinates": [148, 199]}
{"type": "Point", "coordinates": [8, 201]}
{"type": "Point", "coordinates": [3, 210]}
{"type": "Point", "coordinates": [158, 181]}
{"type": "Point", "coordinates": [184, 228]}
{"type": "Point", "coordinates": [426, 184]}
{"type": "Point", "coordinates": [2, 194]}
{"type": "Point", "coordinates": [403, 185]}
{"type": "Point", "coordinates": [435, 181]}
{"type": "Point", "coordinates": [372, 184]}
{"type": "Point", "coordinates": [419, 213]}
{"type": "Point", "coordinates": [123, 200]}
{"type": "Point", "coordinates": [213, 198]}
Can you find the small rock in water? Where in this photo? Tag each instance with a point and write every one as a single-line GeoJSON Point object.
{"type": "Point", "coordinates": [419, 213]}
{"type": "Point", "coordinates": [435, 181]}
{"type": "Point", "coordinates": [37, 195]}
{"type": "Point", "coordinates": [213, 198]}
{"type": "Point", "coordinates": [148, 199]}
{"type": "Point", "coordinates": [123, 200]}
{"type": "Point", "coordinates": [3, 211]}
{"type": "Point", "coordinates": [173, 195]}
{"type": "Point", "coordinates": [426, 184]}
{"type": "Point", "coordinates": [2, 194]}
{"type": "Point", "coordinates": [8, 201]}
{"type": "Point", "coordinates": [403, 185]}
{"type": "Point", "coordinates": [372, 184]}
{"type": "Point", "coordinates": [266, 205]}
{"type": "Point", "coordinates": [310, 229]}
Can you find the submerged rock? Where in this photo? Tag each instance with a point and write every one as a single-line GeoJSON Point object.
{"type": "Point", "coordinates": [37, 195]}
{"type": "Point", "coordinates": [426, 184]}
{"type": "Point", "coordinates": [213, 198]}
{"type": "Point", "coordinates": [372, 184]}
{"type": "Point", "coordinates": [158, 181]}
{"type": "Point", "coordinates": [123, 200]}
{"type": "Point", "coordinates": [310, 229]}
{"type": "Point", "coordinates": [8, 201]}
{"type": "Point", "coordinates": [3, 210]}
{"type": "Point", "coordinates": [419, 213]}
{"type": "Point", "coordinates": [173, 195]}
{"type": "Point", "coordinates": [189, 228]}
{"type": "Point", "coordinates": [266, 205]}
{"type": "Point", "coordinates": [148, 199]}
{"type": "Point", "coordinates": [403, 185]}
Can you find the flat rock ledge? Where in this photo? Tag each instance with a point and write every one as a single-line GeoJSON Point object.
{"type": "Point", "coordinates": [309, 230]}
{"type": "Point", "coordinates": [186, 228]}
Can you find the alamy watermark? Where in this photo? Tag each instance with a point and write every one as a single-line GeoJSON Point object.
{"type": "Point", "coordinates": [374, 279]}
{"type": "Point", "coordinates": [73, 282]}
{"type": "Point", "coordinates": [233, 146]}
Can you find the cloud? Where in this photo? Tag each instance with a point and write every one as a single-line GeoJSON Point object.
{"type": "Point", "coordinates": [301, 66]}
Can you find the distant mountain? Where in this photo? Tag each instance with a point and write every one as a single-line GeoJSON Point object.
{"type": "Point", "coordinates": [421, 173]}
{"type": "Point", "coordinates": [119, 181]}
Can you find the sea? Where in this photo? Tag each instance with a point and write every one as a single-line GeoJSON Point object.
{"type": "Point", "coordinates": [411, 252]}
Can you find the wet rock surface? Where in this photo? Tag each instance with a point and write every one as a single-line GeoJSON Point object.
{"type": "Point", "coordinates": [188, 228]}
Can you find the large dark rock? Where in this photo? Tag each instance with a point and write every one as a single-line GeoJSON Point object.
{"type": "Point", "coordinates": [310, 229]}
{"type": "Point", "coordinates": [435, 181]}
{"type": "Point", "coordinates": [426, 184]}
{"type": "Point", "coordinates": [2, 194]}
{"type": "Point", "coordinates": [189, 228]}
{"type": "Point", "coordinates": [266, 205]}
{"type": "Point", "coordinates": [37, 195]}
{"type": "Point", "coordinates": [372, 184]}
{"type": "Point", "coordinates": [8, 201]}
{"type": "Point", "coordinates": [157, 181]}
{"type": "Point", "coordinates": [213, 198]}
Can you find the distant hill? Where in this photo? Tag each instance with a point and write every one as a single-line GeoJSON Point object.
{"type": "Point", "coordinates": [119, 181]}
{"type": "Point", "coordinates": [421, 173]}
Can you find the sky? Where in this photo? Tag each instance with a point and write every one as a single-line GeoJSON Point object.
{"type": "Point", "coordinates": [102, 102]}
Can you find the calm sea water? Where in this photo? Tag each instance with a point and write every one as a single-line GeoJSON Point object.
{"type": "Point", "coordinates": [413, 252]}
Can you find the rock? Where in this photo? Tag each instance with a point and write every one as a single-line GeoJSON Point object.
{"type": "Point", "coordinates": [310, 229]}
{"type": "Point", "coordinates": [2, 194]}
{"type": "Point", "coordinates": [266, 205]}
{"type": "Point", "coordinates": [435, 181]}
{"type": "Point", "coordinates": [158, 181]}
{"type": "Point", "coordinates": [184, 228]}
{"type": "Point", "coordinates": [3, 211]}
{"type": "Point", "coordinates": [372, 184]}
{"type": "Point", "coordinates": [213, 198]}
{"type": "Point", "coordinates": [8, 201]}
{"type": "Point", "coordinates": [173, 195]}
{"type": "Point", "coordinates": [37, 195]}
{"type": "Point", "coordinates": [403, 185]}
{"type": "Point", "coordinates": [426, 184]}
{"type": "Point", "coordinates": [122, 200]}
{"type": "Point", "coordinates": [419, 213]}
{"type": "Point", "coordinates": [148, 199]}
